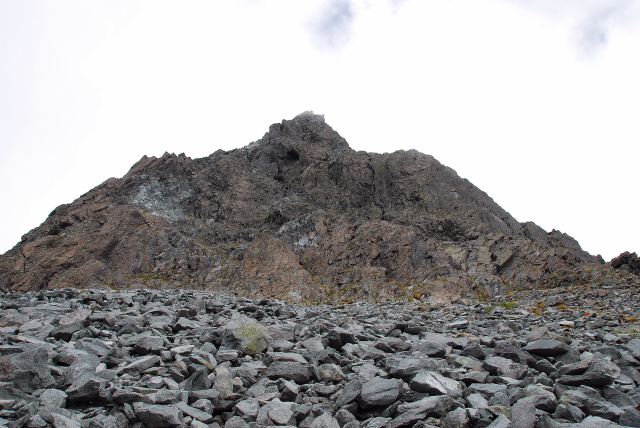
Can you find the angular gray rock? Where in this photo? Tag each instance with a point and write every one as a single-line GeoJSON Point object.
{"type": "Point", "coordinates": [569, 412]}
{"type": "Point", "coordinates": [289, 370]}
{"type": "Point", "coordinates": [456, 419]}
{"type": "Point", "coordinates": [435, 384]}
{"type": "Point", "coordinates": [325, 421]}
{"type": "Point", "coordinates": [436, 406]}
{"type": "Point", "coordinates": [349, 393]}
{"type": "Point", "coordinates": [158, 416]}
{"type": "Point", "coordinates": [27, 370]}
{"type": "Point", "coordinates": [500, 422]}
{"type": "Point", "coordinates": [380, 392]}
{"type": "Point", "coordinates": [60, 421]}
{"type": "Point", "coordinates": [547, 348]}
{"type": "Point", "coordinates": [523, 413]}
{"type": "Point", "coordinates": [406, 367]}
{"type": "Point", "coordinates": [65, 332]}
{"type": "Point", "coordinates": [236, 422]}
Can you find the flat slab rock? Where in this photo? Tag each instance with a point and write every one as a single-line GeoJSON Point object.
{"type": "Point", "coordinates": [221, 360]}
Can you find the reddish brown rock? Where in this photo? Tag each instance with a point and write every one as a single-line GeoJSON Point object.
{"type": "Point", "coordinates": [271, 269]}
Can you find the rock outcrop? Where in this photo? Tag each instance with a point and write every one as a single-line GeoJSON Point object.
{"type": "Point", "coordinates": [297, 214]}
{"type": "Point", "coordinates": [627, 261]}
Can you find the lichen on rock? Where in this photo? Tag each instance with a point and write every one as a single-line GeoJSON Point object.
{"type": "Point", "coordinates": [246, 335]}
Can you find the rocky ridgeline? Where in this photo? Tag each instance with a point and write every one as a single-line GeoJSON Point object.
{"type": "Point", "coordinates": [297, 214]}
{"type": "Point", "coordinates": [145, 358]}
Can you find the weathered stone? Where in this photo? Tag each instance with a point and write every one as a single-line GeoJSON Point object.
{"type": "Point", "coordinates": [408, 418]}
{"type": "Point", "coordinates": [282, 415]}
{"type": "Point", "coordinates": [199, 380]}
{"type": "Point", "coordinates": [84, 366]}
{"type": "Point", "coordinates": [454, 342]}
{"type": "Point", "coordinates": [223, 382]}
{"type": "Point", "coordinates": [149, 345]}
{"type": "Point", "coordinates": [432, 349]}
{"type": "Point", "coordinates": [616, 397]}
{"type": "Point", "coordinates": [634, 347]}
{"type": "Point", "coordinates": [630, 418]}
{"type": "Point", "coordinates": [349, 393]}
{"type": "Point", "coordinates": [27, 370]}
{"type": "Point", "coordinates": [330, 373]}
{"type": "Point", "coordinates": [325, 421]}
{"type": "Point", "coordinates": [53, 398]}
{"type": "Point", "coordinates": [60, 421]}
{"type": "Point", "coordinates": [246, 335]}
{"type": "Point", "coordinates": [405, 368]}
{"type": "Point", "coordinates": [500, 422]}
{"type": "Point", "coordinates": [392, 344]}
{"type": "Point", "coordinates": [204, 405]}
{"type": "Point", "coordinates": [435, 384]}
{"type": "Point", "coordinates": [158, 416]}
{"type": "Point", "coordinates": [281, 332]}
{"type": "Point", "coordinates": [338, 337]}
{"type": "Point", "coordinates": [456, 419]}
{"type": "Point", "coordinates": [523, 413]}
{"type": "Point", "coordinates": [84, 389]}
{"type": "Point", "coordinates": [591, 403]}
{"type": "Point", "coordinates": [545, 421]}
{"type": "Point", "coordinates": [436, 406]}
{"type": "Point", "coordinates": [499, 366]}
{"type": "Point", "coordinates": [568, 412]}
{"type": "Point", "coordinates": [193, 412]}
{"type": "Point", "coordinates": [477, 401]}
{"type": "Point", "coordinates": [143, 363]}
{"type": "Point", "coordinates": [486, 389]}
{"type": "Point", "coordinates": [122, 396]}
{"type": "Point", "coordinates": [502, 399]}
{"type": "Point", "coordinates": [595, 422]}
{"type": "Point", "coordinates": [289, 391]}
{"type": "Point", "coordinates": [296, 372]}
{"type": "Point", "coordinates": [544, 399]}
{"type": "Point", "coordinates": [470, 377]}
{"type": "Point", "coordinates": [473, 350]}
{"type": "Point", "coordinates": [36, 422]}
{"type": "Point", "coordinates": [601, 372]}
{"type": "Point", "coordinates": [236, 422]}
{"type": "Point", "coordinates": [185, 324]}
{"type": "Point", "coordinates": [547, 348]}
{"type": "Point", "coordinates": [248, 407]}
{"type": "Point", "coordinates": [380, 392]}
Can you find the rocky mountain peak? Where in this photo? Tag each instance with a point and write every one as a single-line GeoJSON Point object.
{"type": "Point", "coordinates": [297, 207]}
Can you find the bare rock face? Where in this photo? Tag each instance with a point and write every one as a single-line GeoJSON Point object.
{"type": "Point", "coordinates": [270, 268]}
{"type": "Point", "coordinates": [296, 214]}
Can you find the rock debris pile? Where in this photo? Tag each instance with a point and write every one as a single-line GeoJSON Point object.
{"type": "Point", "coordinates": [166, 358]}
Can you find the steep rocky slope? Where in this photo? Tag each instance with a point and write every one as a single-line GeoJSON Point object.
{"type": "Point", "coordinates": [297, 214]}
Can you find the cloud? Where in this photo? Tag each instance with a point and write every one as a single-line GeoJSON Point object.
{"type": "Point", "coordinates": [332, 27]}
{"type": "Point", "coordinates": [396, 4]}
{"type": "Point", "coordinates": [592, 21]}
{"type": "Point", "coordinates": [593, 34]}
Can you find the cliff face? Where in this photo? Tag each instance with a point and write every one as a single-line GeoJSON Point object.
{"type": "Point", "coordinates": [297, 214]}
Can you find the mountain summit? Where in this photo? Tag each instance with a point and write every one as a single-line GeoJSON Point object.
{"type": "Point", "coordinates": [297, 214]}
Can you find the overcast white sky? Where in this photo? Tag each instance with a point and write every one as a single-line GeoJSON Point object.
{"type": "Point", "coordinates": [535, 102]}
